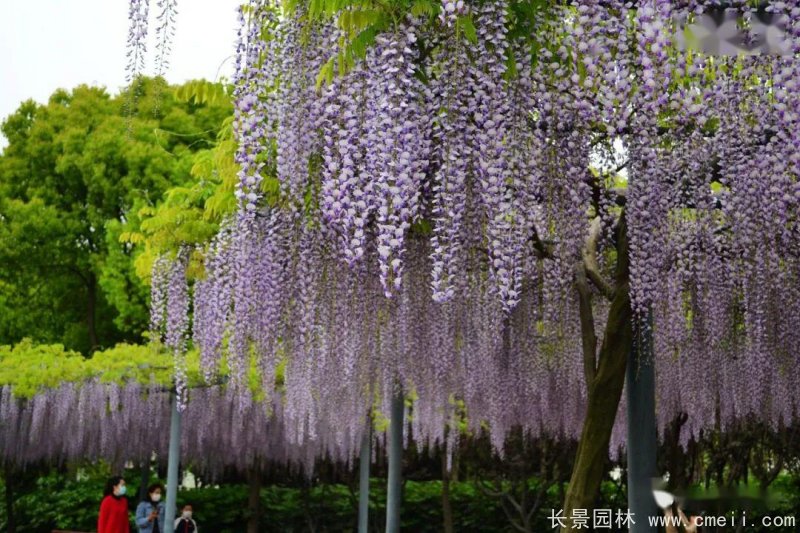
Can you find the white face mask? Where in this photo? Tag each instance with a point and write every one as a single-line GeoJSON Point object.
{"type": "Point", "coordinates": [156, 497]}
{"type": "Point", "coordinates": [187, 515]}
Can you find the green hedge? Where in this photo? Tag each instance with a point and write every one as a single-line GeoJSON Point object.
{"type": "Point", "coordinates": [61, 501]}
{"type": "Point", "coordinates": [333, 508]}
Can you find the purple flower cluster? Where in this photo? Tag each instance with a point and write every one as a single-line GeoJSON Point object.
{"type": "Point", "coordinates": [453, 147]}
{"type": "Point", "coordinates": [397, 154]}
{"type": "Point", "coordinates": [85, 422]}
{"type": "Point", "coordinates": [348, 197]}
{"type": "Point", "coordinates": [178, 319]}
{"type": "Point", "coordinates": [299, 111]}
{"type": "Point", "coordinates": [461, 179]}
{"type": "Point", "coordinates": [138, 12]}
{"type": "Point", "coordinates": [212, 297]}
{"type": "Point", "coordinates": [165, 32]}
{"type": "Point", "coordinates": [451, 10]}
{"type": "Point", "coordinates": [250, 120]}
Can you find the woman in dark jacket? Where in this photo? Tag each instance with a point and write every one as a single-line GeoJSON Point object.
{"type": "Point", "coordinates": [150, 512]}
{"type": "Point", "coordinates": [114, 508]}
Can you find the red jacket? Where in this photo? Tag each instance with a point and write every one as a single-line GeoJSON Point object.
{"type": "Point", "coordinates": [114, 516]}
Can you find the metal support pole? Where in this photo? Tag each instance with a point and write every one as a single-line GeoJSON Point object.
{"type": "Point", "coordinates": [363, 481]}
{"type": "Point", "coordinates": [172, 464]}
{"type": "Point", "coordinates": [394, 483]}
{"type": "Point", "coordinates": [642, 443]}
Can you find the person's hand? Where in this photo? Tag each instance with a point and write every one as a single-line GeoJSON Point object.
{"type": "Point", "coordinates": [153, 515]}
{"type": "Point", "coordinates": [669, 524]}
{"type": "Point", "coordinates": [689, 524]}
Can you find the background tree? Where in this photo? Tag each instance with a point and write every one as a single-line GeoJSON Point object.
{"type": "Point", "coordinates": [74, 171]}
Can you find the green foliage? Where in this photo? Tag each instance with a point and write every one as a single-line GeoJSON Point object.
{"type": "Point", "coordinates": [67, 498]}
{"type": "Point", "coordinates": [75, 172]}
{"type": "Point", "coordinates": [360, 24]}
{"type": "Point", "coordinates": [60, 501]}
{"type": "Point", "coordinates": [120, 283]}
{"type": "Point", "coordinates": [70, 498]}
{"type": "Point", "coordinates": [144, 364]}
{"type": "Point", "coordinates": [189, 214]}
{"type": "Point", "coordinates": [465, 24]}
{"type": "Point", "coordinates": [29, 368]}
{"type": "Point", "coordinates": [362, 20]}
{"type": "Point", "coordinates": [64, 501]}
{"type": "Point", "coordinates": [41, 285]}
{"type": "Point", "coordinates": [204, 92]}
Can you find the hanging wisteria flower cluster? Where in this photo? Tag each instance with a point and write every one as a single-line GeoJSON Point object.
{"type": "Point", "coordinates": [170, 303]}
{"type": "Point", "coordinates": [136, 46]}
{"type": "Point", "coordinates": [129, 422]}
{"type": "Point", "coordinates": [138, 13]}
{"type": "Point", "coordinates": [437, 195]}
{"type": "Point", "coordinates": [117, 423]}
{"type": "Point", "coordinates": [165, 33]}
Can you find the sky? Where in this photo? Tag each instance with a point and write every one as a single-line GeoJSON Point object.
{"type": "Point", "coordinates": [50, 44]}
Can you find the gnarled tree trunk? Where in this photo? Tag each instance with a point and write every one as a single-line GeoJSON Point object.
{"type": "Point", "coordinates": [604, 380]}
{"type": "Point", "coordinates": [253, 500]}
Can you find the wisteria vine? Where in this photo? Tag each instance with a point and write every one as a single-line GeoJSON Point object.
{"type": "Point", "coordinates": [436, 196]}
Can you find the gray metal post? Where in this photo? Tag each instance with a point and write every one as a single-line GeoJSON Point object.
{"type": "Point", "coordinates": [394, 483]}
{"type": "Point", "coordinates": [172, 464]}
{"type": "Point", "coordinates": [642, 443]}
{"type": "Point", "coordinates": [363, 480]}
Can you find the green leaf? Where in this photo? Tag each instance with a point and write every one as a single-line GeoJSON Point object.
{"type": "Point", "coordinates": [325, 74]}
{"type": "Point", "coordinates": [422, 8]}
{"type": "Point", "coordinates": [465, 24]}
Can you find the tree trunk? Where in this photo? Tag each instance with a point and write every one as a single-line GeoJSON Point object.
{"type": "Point", "coordinates": [91, 307]}
{"type": "Point", "coordinates": [605, 391]}
{"type": "Point", "coordinates": [254, 501]}
{"type": "Point", "coordinates": [9, 475]}
{"type": "Point", "coordinates": [447, 507]}
{"type": "Point", "coordinates": [145, 480]}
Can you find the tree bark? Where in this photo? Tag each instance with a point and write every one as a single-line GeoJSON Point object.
{"type": "Point", "coordinates": [447, 507]}
{"type": "Point", "coordinates": [9, 479]}
{"type": "Point", "coordinates": [254, 500]}
{"type": "Point", "coordinates": [91, 312]}
{"type": "Point", "coordinates": [604, 392]}
{"type": "Point", "coordinates": [145, 480]}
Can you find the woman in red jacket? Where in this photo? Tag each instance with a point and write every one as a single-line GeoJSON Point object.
{"type": "Point", "coordinates": [114, 508]}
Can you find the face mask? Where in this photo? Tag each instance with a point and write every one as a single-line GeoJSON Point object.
{"type": "Point", "coordinates": [155, 497]}
{"type": "Point", "coordinates": [122, 490]}
{"type": "Point", "coordinates": [187, 515]}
